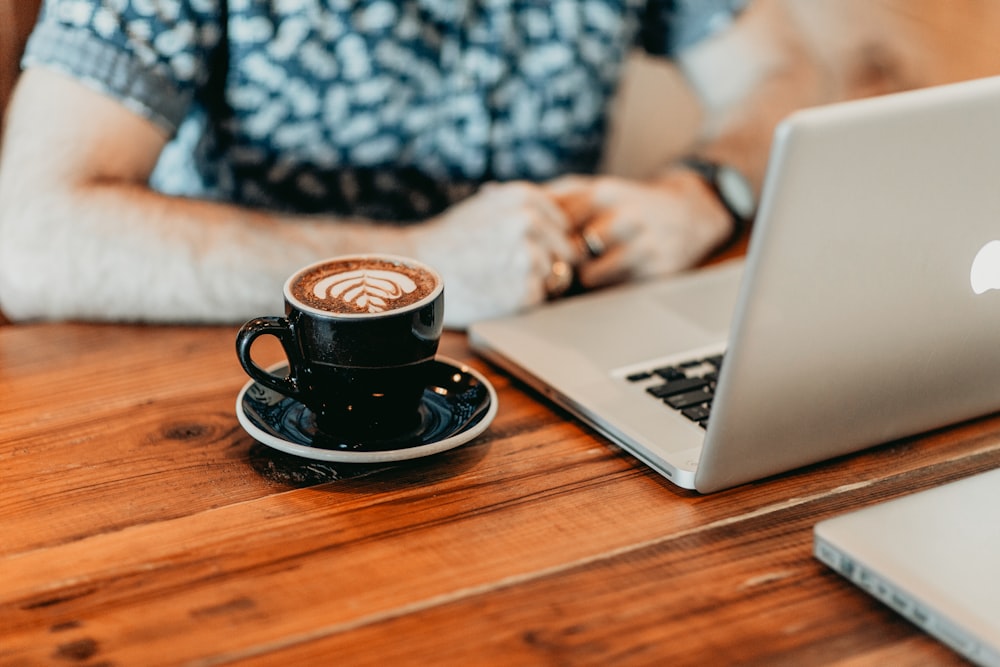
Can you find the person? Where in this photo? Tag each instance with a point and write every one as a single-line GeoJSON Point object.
{"type": "Point", "coordinates": [175, 160]}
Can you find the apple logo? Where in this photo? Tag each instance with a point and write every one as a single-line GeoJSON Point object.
{"type": "Point", "coordinates": [985, 273]}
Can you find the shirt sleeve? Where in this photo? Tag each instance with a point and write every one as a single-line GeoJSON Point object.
{"type": "Point", "coordinates": [151, 55]}
{"type": "Point", "coordinates": [671, 26]}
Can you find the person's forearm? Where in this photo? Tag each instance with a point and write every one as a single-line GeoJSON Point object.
{"type": "Point", "coordinates": [747, 80]}
{"type": "Point", "coordinates": [83, 236]}
{"type": "Point", "coordinates": [121, 252]}
{"type": "Point", "coordinates": [783, 55]}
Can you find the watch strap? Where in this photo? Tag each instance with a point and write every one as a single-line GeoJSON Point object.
{"type": "Point", "coordinates": [708, 170]}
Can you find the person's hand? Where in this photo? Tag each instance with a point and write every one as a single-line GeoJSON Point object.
{"type": "Point", "coordinates": [631, 229]}
{"type": "Point", "coordinates": [497, 251]}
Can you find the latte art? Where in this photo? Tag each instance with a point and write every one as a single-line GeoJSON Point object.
{"type": "Point", "coordinates": [366, 290]}
{"type": "Point", "coordinates": [362, 285]}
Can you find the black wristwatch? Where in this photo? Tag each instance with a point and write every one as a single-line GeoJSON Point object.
{"type": "Point", "coordinates": [731, 187]}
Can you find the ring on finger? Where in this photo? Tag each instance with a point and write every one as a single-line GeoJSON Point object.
{"type": "Point", "coordinates": [594, 243]}
{"type": "Point", "coordinates": [559, 278]}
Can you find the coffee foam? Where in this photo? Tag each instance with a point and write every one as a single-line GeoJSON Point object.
{"type": "Point", "coordinates": [362, 286]}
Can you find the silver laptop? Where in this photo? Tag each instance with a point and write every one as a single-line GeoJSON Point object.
{"type": "Point", "coordinates": [855, 318]}
{"type": "Point", "coordinates": [933, 556]}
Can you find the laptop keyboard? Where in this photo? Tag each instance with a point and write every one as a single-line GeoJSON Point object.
{"type": "Point", "coordinates": [686, 387]}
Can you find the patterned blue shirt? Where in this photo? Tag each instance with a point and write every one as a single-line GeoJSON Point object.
{"type": "Point", "coordinates": [390, 109]}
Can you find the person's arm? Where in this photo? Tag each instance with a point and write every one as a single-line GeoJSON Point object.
{"type": "Point", "coordinates": [82, 235]}
{"type": "Point", "coordinates": [745, 78]}
{"type": "Point", "coordinates": [772, 61]}
{"type": "Point", "coordinates": [784, 55]}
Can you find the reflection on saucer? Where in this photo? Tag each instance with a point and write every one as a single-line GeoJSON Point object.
{"type": "Point", "coordinates": [458, 405]}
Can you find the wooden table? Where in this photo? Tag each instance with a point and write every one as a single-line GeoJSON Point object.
{"type": "Point", "coordinates": [140, 525]}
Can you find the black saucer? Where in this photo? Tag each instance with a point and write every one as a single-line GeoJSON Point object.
{"type": "Point", "coordinates": [458, 404]}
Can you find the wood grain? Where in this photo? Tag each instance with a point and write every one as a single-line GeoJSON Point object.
{"type": "Point", "coordinates": [141, 525]}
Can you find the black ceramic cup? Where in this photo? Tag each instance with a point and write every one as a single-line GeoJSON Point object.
{"type": "Point", "coordinates": [360, 333]}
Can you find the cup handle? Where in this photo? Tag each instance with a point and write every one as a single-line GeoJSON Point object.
{"type": "Point", "coordinates": [280, 328]}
